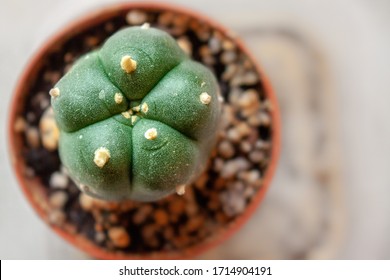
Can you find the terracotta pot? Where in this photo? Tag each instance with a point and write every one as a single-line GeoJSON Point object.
{"type": "Point", "coordinates": [33, 189]}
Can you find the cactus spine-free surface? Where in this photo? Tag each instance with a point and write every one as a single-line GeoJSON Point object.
{"type": "Point", "coordinates": [137, 118]}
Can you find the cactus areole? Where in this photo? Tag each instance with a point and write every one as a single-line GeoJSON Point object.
{"type": "Point", "coordinates": [137, 118]}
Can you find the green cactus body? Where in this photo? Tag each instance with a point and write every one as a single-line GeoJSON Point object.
{"type": "Point", "coordinates": [137, 118]}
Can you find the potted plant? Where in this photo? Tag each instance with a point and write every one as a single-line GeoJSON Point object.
{"type": "Point", "coordinates": [216, 202]}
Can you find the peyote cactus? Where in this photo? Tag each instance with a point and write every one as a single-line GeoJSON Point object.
{"type": "Point", "coordinates": [137, 118]}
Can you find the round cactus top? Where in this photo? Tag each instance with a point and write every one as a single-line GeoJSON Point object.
{"type": "Point", "coordinates": [137, 118]}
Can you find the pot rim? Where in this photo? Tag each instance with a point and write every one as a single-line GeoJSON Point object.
{"type": "Point", "coordinates": [80, 242]}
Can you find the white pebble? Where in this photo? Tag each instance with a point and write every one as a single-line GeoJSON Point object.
{"type": "Point", "coordinates": [250, 176]}
{"type": "Point", "coordinates": [244, 129]}
{"type": "Point", "coordinates": [234, 203]}
{"type": "Point", "coordinates": [262, 145]}
{"type": "Point", "coordinates": [226, 149]}
{"type": "Point", "coordinates": [214, 45]}
{"type": "Point", "coordinates": [233, 135]}
{"type": "Point", "coordinates": [232, 167]}
{"type": "Point", "coordinates": [261, 118]}
{"type": "Point", "coordinates": [249, 98]}
{"type": "Point", "coordinates": [100, 237]}
{"type": "Point", "coordinates": [136, 17]}
{"type": "Point", "coordinates": [59, 180]}
{"type": "Point", "coordinates": [245, 146]}
{"type": "Point", "coordinates": [250, 78]}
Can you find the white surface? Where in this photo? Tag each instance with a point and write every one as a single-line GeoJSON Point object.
{"type": "Point", "coordinates": [355, 37]}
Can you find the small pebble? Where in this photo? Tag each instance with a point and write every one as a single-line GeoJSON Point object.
{"type": "Point", "coordinates": [249, 98]}
{"type": "Point", "coordinates": [250, 78]}
{"type": "Point", "coordinates": [100, 237]}
{"type": "Point", "coordinates": [136, 17]}
{"type": "Point", "coordinates": [29, 172]}
{"type": "Point", "coordinates": [92, 41]}
{"type": "Point", "coordinates": [59, 180]}
{"type": "Point", "coordinates": [149, 231]}
{"type": "Point", "coordinates": [86, 202]}
{"type": "Point", "coordinates": [204, 51]}
{"type": "Point", "coordinates": [180, 21]}
{"type": "Point", "coordinates": [195, 223]}
{"type": "Point", "coordinates": [203, 32]}
{"type": "Point", "coordinates": [218, 164]}
{"type": "Point", "coordinates": [228, 45]}
{"type": "Point", "coordinates": [177, 207]}
{"type": "Point", "coordinates": [32, 136]}
{"type": "Point", "coordinates": [233, 203]}
{"type": "Point", "coordinates": [58, 199]}
{"type": "Point", "coordinates": [192, 209]}
{"type": "Point", "coordinates": [56, 217]}
{"type": "Point", "coordinates": [209, 60]}
{"type": "Point", "coordinates": [220, 183]}
{"type": "Point", "coordinates": [245, 146]}
{"type": "Point", "coordinates": [99, 227]}
{"type": "Point", "coordinates": [165, 19]}
{"type": "Point", "coordinates": [237, 186]}
{"type": "Point", "coordinates": [233, 166]}
{"type": "Point", "coordinates": [20, 124]}
{"type": "Point", "coordinates": [185, 45]}
{"type": "Point", "coordinates": [119, 237]}
{"type": "Point", "coordinates": [249, 192]}
{"type": "Point", "coordinates": [142, 214]}
{"type": "Point", "coordinates": [40, 100]}
{"type": "Point", "coordinates": [68, 57]}
{"type": "Point", "coordinates": [113, 218]}
{"type": "Point", "coordinates": [261, 118]}
{"type": "Point", "coordinates": [214, 45]}
{"type": "Point", "coordinates": [265, 119]}
{"type": "Point", "coordinates": [31, 117]}
{"type": "Point", "coordinates": [168, 233]}
{"type": "Point", "coordinates": [243, 129]}
{"type": "Point", "coordinates": [228, 57]}
{"type": "Point", "coordinates": [226, 149]}
{"type": "Point", "coordinates": [49, 130]}
{"type": "Point", "coordinates": [229, 72]}
{"type": "Point", "coordinates": [250, 176]}
{"type": "Point", "coordinates": [262, 145]}
{"type": "Point", "coordinates": [228, 117]}
{"type": "Point", "coordinates": [233, 135]}
{"type": "Point", "coordinates": [109, 27]}
{"type": "Point", "coordinates": [256, 156]}
{"type": "Point", "coordinates": [161, 217]}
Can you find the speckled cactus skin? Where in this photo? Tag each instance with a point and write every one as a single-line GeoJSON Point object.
{"type": "Point", "coordinates": [137, 118]}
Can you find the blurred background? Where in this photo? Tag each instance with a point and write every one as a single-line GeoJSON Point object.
{"type": "Point", "coordinates": [329, 63]}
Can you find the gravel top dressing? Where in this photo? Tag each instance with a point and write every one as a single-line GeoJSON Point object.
{"type": "Point", "coordinates": [221, 194]}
